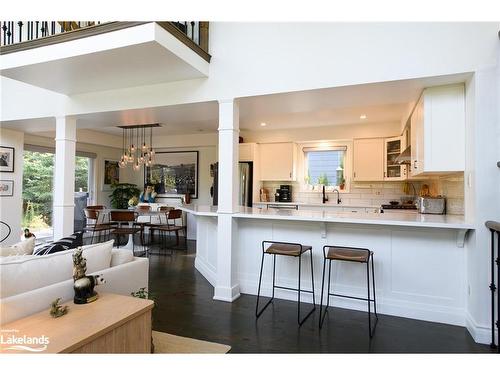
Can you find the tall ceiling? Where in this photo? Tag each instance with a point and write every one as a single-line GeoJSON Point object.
{"type": "Point", "coordinates": [379, 102]}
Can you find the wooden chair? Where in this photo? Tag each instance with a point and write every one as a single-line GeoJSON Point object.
{"type": "Point", "coordinates": [126, 217]}
{"type": "Point", "coordinates": [173, 226]}
{"type": "Point", "coordinates": [96, 224]}
{"type": "Point", "coordinates": [153, 226]}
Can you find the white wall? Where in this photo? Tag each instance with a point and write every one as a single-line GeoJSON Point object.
{"type": "Point", "coordinates": [11, 208]}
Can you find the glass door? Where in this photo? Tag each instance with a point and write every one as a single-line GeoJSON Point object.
{"type": "Point", "coordinates": [393, 170]}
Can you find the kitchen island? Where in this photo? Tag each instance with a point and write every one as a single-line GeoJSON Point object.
{"type": "Point", "coordinates": [420, 265]}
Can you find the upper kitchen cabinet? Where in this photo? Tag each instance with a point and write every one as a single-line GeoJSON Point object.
{"type": "Point", "coordinates": [438, 131]}
{"type": "Point", "coordinates": [248, 151]}
{"type": "Point", "coordinates": [393, 147]}
{"type": "Point", "coordinates": [368, 159]}
{"type": "Point", "coordinates": [277, 161]}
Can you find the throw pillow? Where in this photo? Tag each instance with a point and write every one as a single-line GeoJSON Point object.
{"type": "Point", "coordinates": [66, 243]}
{"type": "Point", "coordinates": [21, 248]}
{"type": "Point", "coordinates": [121, 256]}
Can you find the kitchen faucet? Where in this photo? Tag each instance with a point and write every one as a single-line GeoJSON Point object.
{"type": "Point", "coordinates": [338, 196]}
{"type": "Point", "coordinates": [325, 198]}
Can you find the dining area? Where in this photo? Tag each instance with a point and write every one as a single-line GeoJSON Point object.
{"type": "Point", "coordinates": [141, 228]}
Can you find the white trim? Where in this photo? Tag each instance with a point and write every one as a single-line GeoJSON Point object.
{"type": "Point", "coordinates": [480, 333]}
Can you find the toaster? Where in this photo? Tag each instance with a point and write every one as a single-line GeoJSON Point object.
{"type": "Point", "coordinates": [428, 205]}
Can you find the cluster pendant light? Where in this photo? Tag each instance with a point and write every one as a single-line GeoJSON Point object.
{"type": "Point", "coordinates": [135, 149]}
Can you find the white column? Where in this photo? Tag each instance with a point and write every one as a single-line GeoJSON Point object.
{"type": "Point", "coordinates": [226, 286]}
{"type": "Point", "coordinates": [64, 177]}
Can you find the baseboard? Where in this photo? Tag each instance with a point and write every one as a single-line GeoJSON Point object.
{"type": "Point", "coordinates": [419, 311]}
{"type": "Point", "coordinates": [207, 272]}
{"type": "Point", "coordinates": [480, 333]}
{"type": "Point", "coordinates": [227, 294]}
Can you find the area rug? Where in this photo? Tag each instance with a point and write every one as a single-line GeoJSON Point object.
{"type": "Point", "coordinates": [165, 343]}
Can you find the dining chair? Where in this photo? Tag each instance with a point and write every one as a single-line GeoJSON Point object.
{"type": "Point", "coordinates": [130, 219]}
{"type": "Point", "coordinates": [175, 224]}
{"type": "Point", "coordinates": [95, 224]}
{"type": "Point", "coordinates": [154, 225]}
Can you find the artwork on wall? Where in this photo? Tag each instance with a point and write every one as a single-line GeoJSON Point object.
{"type": "Point", "coordinates": [174, 173]}
{"type": "Point", "coordinates": [6, 188]}
{"type": "Point", "coordinates": [111, 174]}
{"type": "Point", "coordinates": [6, 159]}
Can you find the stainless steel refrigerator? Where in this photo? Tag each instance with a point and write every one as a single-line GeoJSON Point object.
{"type": "Point", "coordinates": [245, 184]}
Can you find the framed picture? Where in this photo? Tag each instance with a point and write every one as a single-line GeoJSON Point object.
{"type": "Point", "coordinates": [6, 159]}
{"type": "Point", "coordinates": [111, 174]}
{"type": "Point", "coordinates": [6, 188]}
{"type": "Point", "coordinates": [174, 173]}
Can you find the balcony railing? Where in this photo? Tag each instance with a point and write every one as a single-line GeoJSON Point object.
{"type": "Point", "coordinates": [22, 35]}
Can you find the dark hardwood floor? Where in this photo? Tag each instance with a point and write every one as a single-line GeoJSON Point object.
{"type": "Point", "coordinates": [185, 307]}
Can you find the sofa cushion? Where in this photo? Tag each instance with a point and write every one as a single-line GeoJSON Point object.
{"type": "Point", "coordinates": [66, 243]}
{"type": "Point", "coordinates": [121, 256]}
{"type": "Point", "coordinates": [21, 248]}
{"type": "Point", "coordinates": [21, 275]}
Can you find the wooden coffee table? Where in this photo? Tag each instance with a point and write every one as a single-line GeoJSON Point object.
{"type": "Point", "coordinates": [112, 324]}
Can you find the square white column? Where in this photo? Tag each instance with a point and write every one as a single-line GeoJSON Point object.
{"type": "Point", "coordinates": [226, 286]}
{"type": "Point", "coordinates": [64, 177]}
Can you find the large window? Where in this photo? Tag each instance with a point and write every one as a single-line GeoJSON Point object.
{"type": "Point", "coordinates": [325, 166]}
{"type": "Point", "coordinates": [38, 188]}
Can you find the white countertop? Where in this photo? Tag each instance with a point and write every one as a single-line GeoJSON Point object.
{"type": "Point", "coordinates": [407, 219]}
{"type": "Point", "coordinates": [318, 204]}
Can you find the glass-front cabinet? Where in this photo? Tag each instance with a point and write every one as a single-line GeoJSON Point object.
{"type": "Point", "coordinates": [392, 170]}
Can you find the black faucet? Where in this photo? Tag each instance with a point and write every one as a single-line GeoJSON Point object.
{"type": "Point", "coordinates": [325, 198]}
{"type": "Point", "coordinates": [338, 196]}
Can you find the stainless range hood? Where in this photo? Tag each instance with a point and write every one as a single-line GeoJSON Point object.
{"type": "Point", "coordinates": [404, 157]}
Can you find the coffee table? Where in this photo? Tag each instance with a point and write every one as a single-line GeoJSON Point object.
{"type": "Point", "coordinates": [112, 324]}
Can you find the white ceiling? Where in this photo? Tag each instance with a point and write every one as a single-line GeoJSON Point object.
{"type": "Point", "coordinates": [380, 102]}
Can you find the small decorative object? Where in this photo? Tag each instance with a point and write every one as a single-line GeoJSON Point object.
{"type": "Point", "coordinates": [84, 285]}
{"type": "Point", "coordinates": [56, 309]}
{"type": "Point", "coordinates": [111, 174]}
{"type": "Point", "coordinates": [187, 198]}
{"type": "Point", "coordinates": [132, 202]}
{"type": "Point", "coordinates": [148, 195]}
{"type": "Point", "coordinates": [6, 188]}
{"type": "Point", "coordinates": [6, 159]}
{"type": "Point", "coordinates": [342, 184]}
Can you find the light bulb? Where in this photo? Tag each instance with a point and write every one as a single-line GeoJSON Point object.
{"type": "Point", "coordinates": [144, 147]}
{"type": "Point", "coordinates": [132, 148]}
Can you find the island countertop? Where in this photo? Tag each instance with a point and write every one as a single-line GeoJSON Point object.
{"type": "Point", "coordinates": [411, 219]}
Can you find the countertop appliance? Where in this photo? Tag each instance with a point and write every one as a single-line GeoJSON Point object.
{"type": "Point", "coordinates": [399, 206]}
{"type": "Point", "coordinates": [428, 205]}
{"type": "Point", "coordinates": [285, 193]}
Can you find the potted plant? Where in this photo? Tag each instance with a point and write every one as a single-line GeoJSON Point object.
{"type": "Point", "coordinates": [122, 193]}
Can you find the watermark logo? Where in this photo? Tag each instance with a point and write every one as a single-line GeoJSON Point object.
{"type": "Point", "coordinates": [11, 340]}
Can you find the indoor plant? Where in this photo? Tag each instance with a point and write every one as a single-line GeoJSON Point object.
{"type": "Point", "coordinates": [122, 193]}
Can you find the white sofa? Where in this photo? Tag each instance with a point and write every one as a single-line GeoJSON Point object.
{"type": "Point", "coordinates": [29, 283]}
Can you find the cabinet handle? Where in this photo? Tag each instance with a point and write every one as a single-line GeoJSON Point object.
{"type": "Point", "coordinates": [290, 174]}
{"type": "Point", "coordinates": [354, 174]}
{"type": "Point", "coordinates": [385, 174]}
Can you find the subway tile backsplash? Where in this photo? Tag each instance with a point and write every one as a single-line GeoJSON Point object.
{"type": "Point", "coordinates": [378, 193]}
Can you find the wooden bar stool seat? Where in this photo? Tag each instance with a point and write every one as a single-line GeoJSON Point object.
{"type": "Point", "coordinates": [287, 249]}
{"type": "Point", "coordinates": [349, 254]}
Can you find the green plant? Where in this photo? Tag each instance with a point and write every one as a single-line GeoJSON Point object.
{"type": "Point", "coordinates": [122, 193]}
{"type": "Point", "coordinates": [144, 294]}
{"type": "Point", "coordinates": [323, 180]}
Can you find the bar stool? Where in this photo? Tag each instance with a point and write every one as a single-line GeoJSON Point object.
{"type": "Point", "coordinates": [285, 249]}
{"type": "Point", "coordinates": [349, 254]}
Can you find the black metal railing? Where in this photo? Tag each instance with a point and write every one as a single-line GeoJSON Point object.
{"type": "Point", "coordinates": [494, 228]}
{"type": "Point", "coordinates": [12, 32]}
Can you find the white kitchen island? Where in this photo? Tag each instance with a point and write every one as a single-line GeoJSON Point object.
{"type": "Point", "coordinates": [420, 263]}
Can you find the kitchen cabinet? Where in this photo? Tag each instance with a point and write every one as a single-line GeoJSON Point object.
{"type": "Point", "coordinates": [278, 161]}
{"type": "Point", "coordinates": [392, 148]}
{"type": "Point", "coordinates": [248, 151]}
{"type": "Point", "coordinates": [368, 159]}
{"type": "Point", "coordinates": [438, 131]}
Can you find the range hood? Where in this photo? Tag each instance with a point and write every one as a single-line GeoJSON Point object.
{"type": "Point", "coordinates": [404, 157]}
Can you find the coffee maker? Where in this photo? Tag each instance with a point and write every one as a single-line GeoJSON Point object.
{"type": "Point", "coordinates": [284, 193]}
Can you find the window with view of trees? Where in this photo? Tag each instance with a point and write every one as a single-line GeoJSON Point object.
{"type": "Point", "coordinates": [325, 167]}
{"type": "Point", "coordinates": [38, 183]}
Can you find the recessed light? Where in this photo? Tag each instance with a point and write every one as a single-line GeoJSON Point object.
{"type": "Point", "coordinates": [362, 117]}
{"type": "Point", "coordinates": [263, 124]}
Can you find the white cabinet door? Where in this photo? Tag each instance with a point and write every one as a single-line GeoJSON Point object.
{"type": "Point", "coordinates": [247, 151]}
{"type": "Point", "coordinates": [277, 161]}
{"type": "Point", "coordinates": [438, 131]}
{"type": "Point", "coordinates": [368, 159]}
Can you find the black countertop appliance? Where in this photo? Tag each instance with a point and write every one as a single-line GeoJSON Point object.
{"type": "Point", "coordinates": [285, 193]}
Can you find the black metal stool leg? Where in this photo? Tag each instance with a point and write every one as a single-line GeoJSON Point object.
{"type": "Point", "coordinates": [298, 297]}
{"type": "Point", "coordinates": [257, 312]}
{"type": "Point", "coordinates": [321, 317]}
{"type": "Point", "coordinates": [371, 332]}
